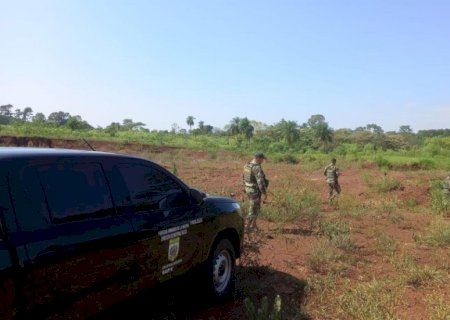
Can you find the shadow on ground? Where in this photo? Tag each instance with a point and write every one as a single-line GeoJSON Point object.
{"type": "Point", "coordinates": [181, 301]}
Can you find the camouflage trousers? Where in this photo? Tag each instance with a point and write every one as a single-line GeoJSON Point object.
{"type": "Point", "coordinates": [333, 190]}
{"type": "Point", "coordinates": [254, 209]}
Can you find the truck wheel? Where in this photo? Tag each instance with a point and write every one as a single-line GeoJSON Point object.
{"type": "Point", "coordinates": [221, 268]}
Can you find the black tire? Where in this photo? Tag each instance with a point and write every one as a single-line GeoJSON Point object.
{"type": "Point", "coordinates": [221, 267]}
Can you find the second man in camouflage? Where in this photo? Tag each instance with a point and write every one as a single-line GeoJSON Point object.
{"type": "Point", "coordinates": [255, 185]}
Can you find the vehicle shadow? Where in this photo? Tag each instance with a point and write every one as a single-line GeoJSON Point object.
{"type": "Point", "coordinates": [181, 300]}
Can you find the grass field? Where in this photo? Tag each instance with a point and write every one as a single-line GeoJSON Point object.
{"type": "Point", "coordinates": [381, 252]}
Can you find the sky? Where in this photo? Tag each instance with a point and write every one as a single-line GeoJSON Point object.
{"type": "Point", "coordinates": [356, 62]}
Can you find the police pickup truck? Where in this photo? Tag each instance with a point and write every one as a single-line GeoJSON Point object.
{"type": "Point", "coordinates": [83, 230]}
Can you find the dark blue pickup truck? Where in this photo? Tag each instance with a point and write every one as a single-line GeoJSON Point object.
{"type": "Point", "coordinates": [82, 230]}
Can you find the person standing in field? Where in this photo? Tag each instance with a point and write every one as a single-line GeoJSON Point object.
{"type": "Point", "coordinates": [255, 186]}
{"type": "Point", "coordinates": [332, 174]}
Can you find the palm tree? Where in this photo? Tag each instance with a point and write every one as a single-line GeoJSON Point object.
{"type": "Point", "coordinates": [234, 127]}
{"type": "Point", "coordinates": [323, 132]}
{"type": "Point", "coordinates": [190, 122]}
{"type": "Point", "coordinates": [288, 130]}
{"type": "Point", "coordinates": [246, 128]}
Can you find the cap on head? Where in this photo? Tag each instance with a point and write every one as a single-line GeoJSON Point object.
{"type": "Point", "coordinates": [333, 160]}
{"type": "Point", "coordinates": [260, 155]}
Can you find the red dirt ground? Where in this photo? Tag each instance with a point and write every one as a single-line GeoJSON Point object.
{"type": "Point", "coordinates": [282, 266]}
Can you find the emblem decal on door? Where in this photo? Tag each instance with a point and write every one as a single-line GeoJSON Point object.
{"type": "Point", "coordinates": [174, 249]}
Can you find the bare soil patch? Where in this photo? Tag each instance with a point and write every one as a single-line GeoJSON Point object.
{"type": "Point", "coordinates": [283, 266]}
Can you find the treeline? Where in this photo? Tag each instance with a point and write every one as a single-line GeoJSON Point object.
{"type": "Point", "coordinates": [316, 134]}
{"type": "Point", "coordinates": [283, 136]}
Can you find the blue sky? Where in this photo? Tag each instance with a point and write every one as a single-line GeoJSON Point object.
{"type": "Point", "coordinates": [355, 62]}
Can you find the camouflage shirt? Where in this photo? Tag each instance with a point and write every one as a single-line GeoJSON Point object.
{"type": "Point", "coordinates": [254, 179]}
{"type": "Point", "coordinates": [332, 173]}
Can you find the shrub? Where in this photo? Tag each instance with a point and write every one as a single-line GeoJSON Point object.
{"type": "Point", "coordinates": [382, 162]}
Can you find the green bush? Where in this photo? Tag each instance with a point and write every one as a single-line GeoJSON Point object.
{"type": "Point", "coordinates": [382, 162]}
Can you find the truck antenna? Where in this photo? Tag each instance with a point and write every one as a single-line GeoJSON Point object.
{"type": "Point", "coordinates": [88, 144]}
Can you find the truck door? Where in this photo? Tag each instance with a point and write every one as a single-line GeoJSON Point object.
{"type": "Point", "coordinates": [162, 212]}
{"type": "Point", "coordinates": [7, 285]}
{"type": "Point", "coordinates": [75, 242]}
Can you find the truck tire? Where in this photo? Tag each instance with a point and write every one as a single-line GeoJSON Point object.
{"type": "Point", "coordinates": [220, 271]}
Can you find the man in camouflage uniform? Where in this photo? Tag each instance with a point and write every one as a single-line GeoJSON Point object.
{"type": "Point", "coordinates": [332, 173]}
{"type": "Point", "coordinates": [255, 184]}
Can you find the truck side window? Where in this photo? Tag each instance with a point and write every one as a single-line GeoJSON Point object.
{"type": "Point", "coordinates": [75, 191]}
{"type": "Point", "coordinates": [151, 189]}
{"type": "Point", "coordinates": [29, 200]}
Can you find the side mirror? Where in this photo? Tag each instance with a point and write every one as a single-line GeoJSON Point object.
{"type": "Point", "coordinates": [198, 195]}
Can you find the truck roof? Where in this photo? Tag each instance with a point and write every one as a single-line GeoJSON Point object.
{"type": "Point", "coordinates": [26, 152]}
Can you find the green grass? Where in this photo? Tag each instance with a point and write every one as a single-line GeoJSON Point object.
{"type": "Point", "coordinates": [370, 301]}
{"type": "Point", "coordinates": [387, 245]}
{"type": "Point", "coordinates": [293, 204]}
{"type": "Point", "coordinates": [415, 274]}
{"type": "Point", "coordinates": [438, 307]}
{"type": "Point", "coordinates": [350, 206]}
{"type": "Point", "coordinates": [332, 229]}
{"type": "Point", "coordinates": [440, 199]}
{"type": "Point", "coordinates": [437, 233]}
{"type": "Point", "coordinates": [320, 294]}
{"type": "Point", "coordinates": [386, 184]}
{"type": "Point", "coordinates": [430, 156]}
{"type": "Point", "coordinates": [322, 257]}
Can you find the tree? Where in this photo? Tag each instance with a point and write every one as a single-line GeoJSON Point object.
{"type": "Point", "coordinates": [174, 128]}
{"type": "Point", "coordinates": [113, 127]}
{"type": "Point", "coordinates": [315, 120]}
{"type": "Point", "coordinates": [18, 114]}
{"type": "Point", "coordinates": [76, 123]}
{"type": "Point", "coordinates": [323, 132]}
{"type": "Point", "coordinates": [58, 118]}
{"type": "Point", "coordinates": [190, 122]}
{"type": "Point", "coordinates": [405, 129]}
{"type": "Point", "coordinates": [27, 113]}
{"type": "Point", "coordinates": [129, 125]}
{"type": "Point", "coordinates": [234, 126]}
{"type": "Point", "coordinates": [39, 118]}
{"type": "Point", "coordinates": [288, 130]}
{"type": "Point", "coordinates": [374, 128]}
{"type": "Point", "coordinates": [246, 128]}
{"type": "Point", "coordinates": [5, 110]}
{"type": "Point", "coordinates": [201, 125]}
